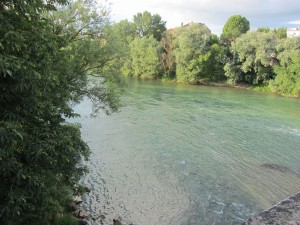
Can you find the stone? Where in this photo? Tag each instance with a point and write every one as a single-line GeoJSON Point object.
{"type": "Point", "coordinates": [72, 207]}
{"type": "Point", "coordinates": [82, 222]}
{"type": "Point", "coordinates": [88, 190]}
{"type": "Point", "coordinates": [102, 217]}
{"type": "Point", "coordinates": [82, 214]}
{"type": "Point", "coordinates": [116, 222]}
{"type": "Point", "coordinates": [279, 168]}
{"type": "Point", "coordinates": [286, 212]}
{"type": "Point", "coordinates": [98, 217]}
{"type": "Point", "coordinates": [77, 200]}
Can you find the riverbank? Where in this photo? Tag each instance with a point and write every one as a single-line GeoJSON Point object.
{"type": "Point", "coordinates": [285, 212]}
{"type": "Point", "coordinates": [256, 88]}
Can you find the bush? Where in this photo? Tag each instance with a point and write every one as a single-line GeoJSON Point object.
{"type": "Point", "coordinates": [66, 220]}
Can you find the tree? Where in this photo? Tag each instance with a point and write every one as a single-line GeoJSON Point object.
{"type": "Point", "coordinates": [147, 24]}
{"type": "Point", "coordinates": [43, 69]}
{"type": "Point", "coordinates": [279, 32]}
{"type": "Point", "coordinates": [124, 31]}
{"type": "Point", "coordinates": [234, 27]}
{"type": "Point", "coordinates": [213, 65]}
{"type": "Point", "coordinates": [119, 36]}
{"type": "Point", "coordinates": [168, 58]}
{"type": "Point", "coordinates": [287, 80]}
{"type": "Point", "coordinates": [254, 54]}
{"type": "Point", "coordinates": [190, 42]}
{"type": "Point", "coordinates": [144, 58]}
{"type": "Point", "coordinates": [264, 29]}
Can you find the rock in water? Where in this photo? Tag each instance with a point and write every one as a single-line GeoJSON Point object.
{"type": "Point", "coordinates": [116, 222]}
{"type": "Point", "coordinates": [82, 214]}
{"type": "Point", "coordinates": [82, 222]}
{"type": "Point", "coordinates": [77, 200]}
{"type": "Point", "coordinates": [273, 166]}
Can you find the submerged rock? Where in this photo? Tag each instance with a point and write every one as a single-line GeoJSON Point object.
{"type": "Point", "coordinates": [72, 206]}
{"type": "Point", "coordinates": [280, 168]}
{"type": "Point", "coordinates": [82, 222]}
{"type": "Point", "coordinates": [77, 200]}
{"type": "Point", "coordinates": [116, 222]}
{"type": "Point", "coordinates": [82, 214]}
{"type": "Point", "coordinates": [285, 212]}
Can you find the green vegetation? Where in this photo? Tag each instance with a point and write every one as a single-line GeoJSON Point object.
{"type": "Point", "coordinates": [65, 220]}
{"type": "Point", "coordinates": [146, 24]}
{"type": "Point", "coordinates": [54, 54]}
{"type": "Point", "coordinates": [191, 43]}
{"type": "Point", "coordinates": [287, 80]}
{"type": "Point", "coordinates": [253, 58]}
{"type": "Point", "coordinates": [46, 57]}
{"type": "Point", "coordinates": [191, 54]}
{"type": "Point", "coordinates": [144, 58]}
{"type": "Point", "coordinates": [234, 27]}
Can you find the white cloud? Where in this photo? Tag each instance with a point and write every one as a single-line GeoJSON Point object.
{"type": "Point", "coordinates": [214, 13]}
{"type": "Point", "coordinates": [295, 22]}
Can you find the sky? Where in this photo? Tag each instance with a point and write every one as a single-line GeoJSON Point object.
{"type": "Point", "coordinates": [214, 13]}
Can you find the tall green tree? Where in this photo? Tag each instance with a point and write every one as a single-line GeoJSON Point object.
{"type": "Point", "coordinates": [278, 32]}
{"type": "Point", "coordinates": [168, 57]}
{"type": "Point", "coordinates": [190, 43]}
{"type": "Point", "coordinates": [287, 80]}
{"type": "Point", "coordinates": [234, 27]}
{"type": "Point", "coordinates": [147, 24]}
{"type": "Point", "coordinates": [118, 36]}
{"type": "Point", "coordinates": [254, 55]}
{"type": "Point", "coordinates": [43, 69]}
{"type": "Point", "coordinates": [144, 58]}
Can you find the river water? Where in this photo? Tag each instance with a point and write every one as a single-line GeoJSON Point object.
{"type": "Point", "coordinates": [191, 155]}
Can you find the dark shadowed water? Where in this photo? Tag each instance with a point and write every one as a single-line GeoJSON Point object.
{"type": "Point", "coordinates": [191, 155]}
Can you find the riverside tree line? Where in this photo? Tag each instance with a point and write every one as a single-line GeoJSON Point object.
{"type": "Point", "coordinates": [54, 53]}
{"type": "Point", "coordinates": [192, 54]}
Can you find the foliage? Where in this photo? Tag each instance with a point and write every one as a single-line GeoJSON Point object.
{"type": "Point", "coordinates": [129, 39]}
{"type": "Point", "coordinates": [147, 24]}
{"type": "Point", "coordinates": [234, 27]}
{"type": "Point", "coordinates": [264, 29]}
{"type": "Point", "coordinates": [119, 36]}
{"type": "Point", "coordinates": [279, 32]}
{"type": "Point", "coordinates": [144, 58]}
{"type": "Point", "coordinates": [124, 31]}
{"type": "Point", "coordinates": [44, 67]}
{"type": "Point", "coordinates": [254, 54]}
{"type": "Point", "coordinates": [168, 58]}
{"type": "Point", "coordinates": [66, 220]}
{"type": "Point", "coordinates": [191, 43]}
{"type": "Point", "coordinates": [214, 64]}
{"type": "Point", "coordinates": [287, 80]}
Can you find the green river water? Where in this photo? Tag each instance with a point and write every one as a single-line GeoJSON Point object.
{"type": "Point", "coordinates": [191, 155]}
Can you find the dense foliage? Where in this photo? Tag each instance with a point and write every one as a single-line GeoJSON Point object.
{"type": "Point", "coordinates": [254, 54]}
{"type": "Point", "coordinates": [191, 43]}
{"type": "Point", "coordinates": [144, 60]}
{"type": "Point", "coordinates": [190, 53]}
{"type": "Point", "coordinates": [51, 54]}
{"type": "Point", "coordinates": [46, 56]}
{"type": "Point", "coordinates": [146, 24]}
{"type": "Point", "coordinates": [234, 27]}
{"type": "Point", "coordinates": [287, 80]}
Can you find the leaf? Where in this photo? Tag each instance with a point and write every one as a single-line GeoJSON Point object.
{"type": "Point", "coordinates": [18, 134]}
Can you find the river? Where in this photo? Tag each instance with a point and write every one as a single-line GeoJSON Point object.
{"type": "Point", "coordinates": [191, 155]}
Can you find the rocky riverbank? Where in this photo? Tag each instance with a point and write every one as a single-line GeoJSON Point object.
{"type": "Point", "coordinates": [286, 212]}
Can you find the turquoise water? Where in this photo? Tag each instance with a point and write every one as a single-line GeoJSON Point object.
{"type": "Point", "coordinates": [180, 155]}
